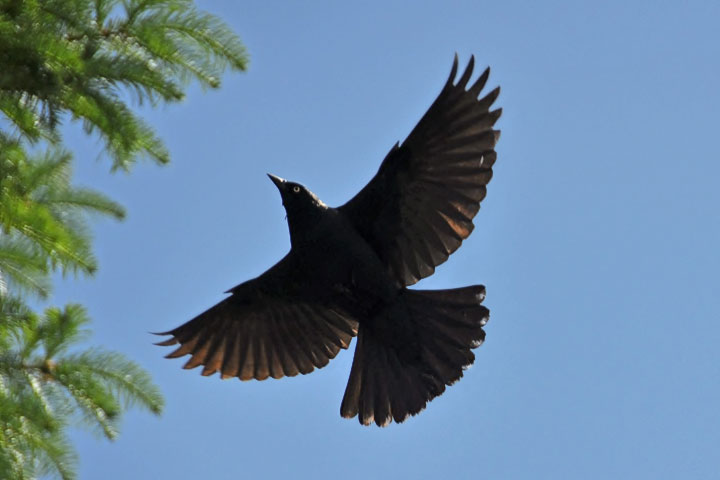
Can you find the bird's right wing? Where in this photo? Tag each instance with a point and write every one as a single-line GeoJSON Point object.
{"type": "Point", "coordinates": [262, 331]}
{"type": "Point", "coordinates": [419, 207]}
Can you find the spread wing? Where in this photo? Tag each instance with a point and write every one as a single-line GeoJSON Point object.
{"type": "Point", "coordinates": [265, 329]}
{"type": "Point", "coordinates": [419, 207]}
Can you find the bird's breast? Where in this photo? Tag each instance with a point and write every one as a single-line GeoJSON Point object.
{"type": "Point", "coordinates": [334, 255]}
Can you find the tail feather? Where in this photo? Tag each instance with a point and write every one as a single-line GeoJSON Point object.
{"type": "Point", "coordinates": [381, 407]}
{"type": "Point", "coordinates": [387, 383]}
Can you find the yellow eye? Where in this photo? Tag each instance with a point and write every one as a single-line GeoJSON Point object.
{"type": "Point", "coordinates": [296, 189]}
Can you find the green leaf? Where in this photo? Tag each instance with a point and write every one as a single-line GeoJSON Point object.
{"type": "Point", "coordinates": [47, 385]}
{"type": "Point", "coordinates": [83, 56]}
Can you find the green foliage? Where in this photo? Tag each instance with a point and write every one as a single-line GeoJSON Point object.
{"type": "Point", "coordinates": [43, 228]}
{"type": "Point", "coordinates": [78, 60]}
{"type": "Point", "coordinates": [42, 217]}
{"type": "Point", "coordinates": [44, 387]}
{"type": "Point", "coordinates": [82, 56]}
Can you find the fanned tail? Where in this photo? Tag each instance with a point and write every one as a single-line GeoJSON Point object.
{"type": "Point", "coordinates": [394, 375]}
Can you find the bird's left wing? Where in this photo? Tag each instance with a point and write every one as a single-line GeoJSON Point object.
{"type": "Point", "coordinates": [262, 331]}
{"type": "Point", "coordinates": [419, 207]}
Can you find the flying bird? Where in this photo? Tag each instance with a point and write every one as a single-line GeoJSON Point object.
{"type": "Point", "coordinates": [349, 267]}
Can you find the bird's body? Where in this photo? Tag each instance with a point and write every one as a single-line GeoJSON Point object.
{"type": "Point", "coordinates": [349, 267]}
{"type": "Point", "coordinates": [329, 263]}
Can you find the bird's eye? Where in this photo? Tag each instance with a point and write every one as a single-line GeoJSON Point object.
{"type": "Point", "coordinates": [296, 189]}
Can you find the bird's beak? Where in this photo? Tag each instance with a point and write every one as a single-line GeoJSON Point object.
{"type": "Point", "coordinates": [279, 182]}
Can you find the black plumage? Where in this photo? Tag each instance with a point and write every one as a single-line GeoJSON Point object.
{"type": "Point", "coordinates": [348, 270]}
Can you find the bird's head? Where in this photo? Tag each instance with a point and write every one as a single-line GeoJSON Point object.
{"type": "Point", "coordinates": [302, 206]}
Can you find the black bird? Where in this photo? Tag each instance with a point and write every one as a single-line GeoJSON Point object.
{"type": "Point", "coordinates": [348, 270]}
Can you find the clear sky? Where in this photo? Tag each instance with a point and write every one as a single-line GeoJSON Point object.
{"type": "Point", "coordinates": [598, 242]}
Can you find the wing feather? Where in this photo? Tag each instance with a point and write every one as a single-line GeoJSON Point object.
{"type": "Point", "coordinates": [257, 334]}
{"type": "Point", "coordinates": [428, 190]}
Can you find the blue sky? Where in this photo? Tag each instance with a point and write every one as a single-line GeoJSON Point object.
{"type": "Point", "coordinates": [598, 242]}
